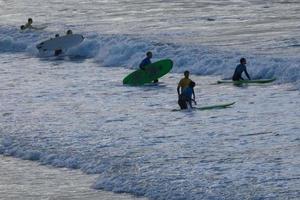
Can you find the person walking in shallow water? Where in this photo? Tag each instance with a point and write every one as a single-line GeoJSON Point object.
{"type": "Point", "coordinates": [147, 61]}
{"type": "Point", "coordinates": [185, 91]}
{"type": "Point", "coordinates": [185, 98]}
{"type": "Point", "coordinates": [237, 76]}
{"type": "Point", "coordinates": [184, 83]}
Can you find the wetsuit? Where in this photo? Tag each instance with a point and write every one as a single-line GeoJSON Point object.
{"type": "Point", "coordinates": [145, 62]}
{"type": "Point", "coordinates": [238, 72]}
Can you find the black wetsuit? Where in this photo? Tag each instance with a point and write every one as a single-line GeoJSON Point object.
{"type": "Point", "coordinates": [238, 72]}
{"type": "Point", "coordinates": [144, 63]}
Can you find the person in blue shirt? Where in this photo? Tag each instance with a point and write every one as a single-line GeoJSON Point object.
{"type": "Point", "coordinates": [239, 70]}
{"type": "Point", "coordinates": [147, 61]}
{"type": "Point", "coordinates": [185, 97]}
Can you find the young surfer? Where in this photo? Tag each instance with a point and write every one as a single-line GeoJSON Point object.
{"type": "Point", "coordinates": [183, 84]}
{"type": "Point", "coordinates": [69, 32]}
{"type": "Point", "coordinates": [147, 61]}
{"type": "Point", "coordinates": [28, 25]}
{"type": "Point", "coordinates": [239, 70]}
{"type": "Point", "coordinates": [186, 96]}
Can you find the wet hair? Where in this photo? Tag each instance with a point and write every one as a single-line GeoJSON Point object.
{"type": "Point", "coordinates": [22, 27]}
{"type": "Point", "coordinates": [69, 32]}
{"type": "Point", "coordinates": [192, 84]}
{"type": "Point", "coordinates": [29, 19]}
{"type": "Point", "coordinates": [242, 60]}
{"type": "Point", "coordinates": [148, 53]}
{"type": "Point", "coordinates": [186, 72]}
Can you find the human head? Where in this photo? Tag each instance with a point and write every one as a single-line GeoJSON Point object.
{"type": "Point", "coordinates": [186, 74]}
{"type": "Point", "coordinates": [22, 27]}
{"type": "Point", "coordinates": [192, 84]}
{"type": "Point", "coordinates": [69, 32]}
{"type": "Point", "coordinates": [243, 61]}
{"type": "Point", "coordinates": [57, 35]}
{"type": "Point", "coordinates": [149, 54]}
{"type": "Point", "coordinates": [29, 20]}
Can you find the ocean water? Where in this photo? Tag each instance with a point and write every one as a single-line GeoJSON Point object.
{"type": "Point", "coordinates": [26, 180]}
{"type": "Point", "coordinates": [74, 112]}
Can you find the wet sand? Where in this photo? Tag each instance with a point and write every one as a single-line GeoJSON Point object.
{"type": "Point", "coordinates": [21, 179]}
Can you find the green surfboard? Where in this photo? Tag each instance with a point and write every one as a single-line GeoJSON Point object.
{"type": "Point", "coordinates": [217, 106]}
{"type": "Point", "coordinates": [247, 81]}
{"type": "Point", "coordinates": [151, 72]}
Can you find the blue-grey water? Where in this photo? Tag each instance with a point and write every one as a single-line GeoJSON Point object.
{"type": "Point", "coordinates": [74, 112]}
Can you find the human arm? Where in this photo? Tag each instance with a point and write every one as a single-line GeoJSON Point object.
{"type": "Point", "coordinates": [144, 63]}
{"type": "Point", "coordinates": [178, 90]}
{"type": "Point", "coordinates": [245, 70]}
{"type": "Point", "coordinates": [142, 67]}
{"type": "Point", "coordinates": [194, 97]}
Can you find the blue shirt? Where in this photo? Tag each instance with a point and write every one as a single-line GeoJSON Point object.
{"type": "Point", "coordinates": [145, 62]}
{"type": "Point", "coordinates": [187, 92]}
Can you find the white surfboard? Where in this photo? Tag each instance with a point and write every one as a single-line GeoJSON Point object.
{"type": "Point", "coordinates": [63, 42]}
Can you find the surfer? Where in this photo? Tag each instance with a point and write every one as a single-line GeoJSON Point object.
{"type": "Point", "coordinates": [239, 70]}
{"type": "Point", "coordinates": [147, 61]}
{"type": "Point", "coordinates": [28, 25]}
{"type": "Point", "coordinates": [69, 32]}
{"type": "Point", "coordinates": [186, 96]}
{"type": "Point", "coordinates": [183, 84]}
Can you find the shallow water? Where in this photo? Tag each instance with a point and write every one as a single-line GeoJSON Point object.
{"type": "Point", "coordinates": [27, 180]}
{"type": "Point", "coordinates": [76, 114]}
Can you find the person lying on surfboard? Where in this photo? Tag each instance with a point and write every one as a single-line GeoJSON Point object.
{"type": "Point", "coordinates": [186, 96]}
{"type": "Point", "coordinates": [147, 61]}
{"type": "Point", "coordinates": [28, 25]}
{"type": "Point", "coordinates": [237, 76]}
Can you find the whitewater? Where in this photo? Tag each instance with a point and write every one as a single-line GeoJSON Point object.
{"type": "Point", "coordinates": [74, 112]}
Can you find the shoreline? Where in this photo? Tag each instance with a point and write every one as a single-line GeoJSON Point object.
{"type": "Point", "coordinates": [23, 179]}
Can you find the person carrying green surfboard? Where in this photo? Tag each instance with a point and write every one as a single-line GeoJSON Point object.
{"type": "Point", "coordinates": [237, 76]}
{"type": "Point", "coordinates": [147, 61]}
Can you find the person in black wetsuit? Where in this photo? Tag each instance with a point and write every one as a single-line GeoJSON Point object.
{"type": "Point", "coordinates": [28, 25]}
{"type": "Point", "coordinates": [239, 70]}
{"type": "Point", "coordinates": [147, 61]}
